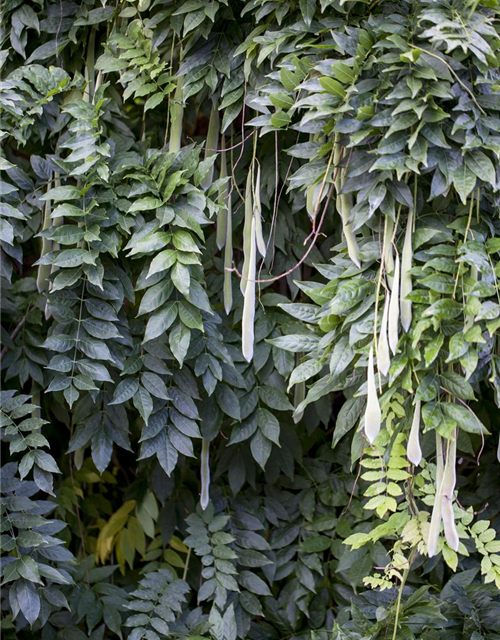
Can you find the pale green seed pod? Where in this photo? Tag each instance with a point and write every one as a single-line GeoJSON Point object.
{"type": "Point", "coordinates": [176, 115]}
{"type": "Point", "coordinates": [394, 309]}
{"type": "Point", "coordinates": [387, 257]}
{"type": "Point", "coordinates": [414, 451]}
{"type": "Point", "coordinates": [406, 279]}
{"type": "Point", "coordinates": [312, 199]}
{"type": "Point", "coordinates": [298, 396]}
{"type": "Point", "coordinates": [373, 416]}
{"type": "Point", "coordinates": [349, 235]}
{"type": "Point", "coordinates": [211, 144]}
{"type": "Point", "coordinates": [205, 474]}
{"type": "Point", "coordinates": [221, 231]}
{"type": "Point", "coordinates": [79, 457]}
{"type": "Point", "coordinates": [435, 526]}
{"type": "Point", "coordinates": [469, 320]}
{"type": "Point", "coordinates": [344, 206]}
{"type": "Point", "coordinates": [55, 246]}
{"type": "Point", "coordinates": [383, 354]}
{"type": "Point", "coordinates": [247, 325]}
{"type": "Point", "coordinates": [228, 255]}
{"type": "Point", "coordinates": [450, 529]}
{"type": "Point", "coordinates": [257, 212]}
{"type": "Point", "coordinates": [44, 270]}
{"type": "Point", "coordinates": [247, 232]}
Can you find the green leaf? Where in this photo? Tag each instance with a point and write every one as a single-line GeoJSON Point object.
{"type": "Point", "coordinates": [332, 87]}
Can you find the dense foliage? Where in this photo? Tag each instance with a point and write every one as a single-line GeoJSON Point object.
{"type": "Point", "coordinates": [250, 359]}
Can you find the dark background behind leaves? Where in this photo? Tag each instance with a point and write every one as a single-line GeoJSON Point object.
{"type": "Point", "coordinates": [112, 380]}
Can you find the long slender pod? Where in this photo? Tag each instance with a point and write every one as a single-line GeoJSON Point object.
{"type": "Point", "coordinates": [435, 526]}
{"type": "Point", "coordinates": [406, 279]}
{"type": "Point", "coordinates": [247, 326]}
{"type": "Point", "coordinates": [247, 231]}
{"type": "Point", "coordinates": [373, 416]}
{"type": "Point", "coordinates": [176, 115]}
{"type": "Point", "coordinates": [344, 205]}
{"type": "Point", "coordinates": [257, 212]}
{"type": "Point", "coordinates": [449, 482]}
{"type": "Point", "coordinates": [387, 255]}
{"type": "Point", "coordinates": [394, 309]}
{"type": "Point", "coordinates": [42, 278]}
{"type": "Point", "coordinates": [205, 474]}
{"type": "Point", "coordinates": [211, 144]}
{"type": "Point", "coordinates": [228, 254]}
{"type": "Point", "coordinates": [220, 236]}
{"type": "Point", "coordinates": [383, 354]}
{"type": "Point", "coordinates": [414, 451]}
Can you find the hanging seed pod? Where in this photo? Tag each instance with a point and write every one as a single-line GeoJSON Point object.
{"type": "Point", "coordinates": [414, 450]}
{"type": "Point", "coordinates": [435, 526]}
{"type": "Point", "coordinates": [205, 474]}
{"type": "Point", "coordinates": [469, 320]}
{"type": "Point", "coordinates": [211, 145]}
{"type": "Point", "coordinates": [220, 236]}
{"type": "Point", "coordinates": [55, 246]}
{"type": "Point", "coordinates": [298, 396]}
{"type": "Point", "coordinates": [373, 416]}
{"type": "Point", "coordinates": [257, 212]}
{"type": "Point", "coordinates": [228, 254]}
{"type": "Point", "coordinates": [450, 529]}
{"type": "Point", "coordinates": [344, 206]}
{"type": "Point", "coordinates": [42, 279]}
{"type": "Point", "coordinates": [406, 280]}
{"type": "Point", "coordinates": [247, 324]}
{"type": "Point", "coordinates": [387, 257]}
{"type": "Point", "coordinates": [312, 196]}
{"type": "Point", "coordinates": [383, 354]}
{"type": "Point", "coordinates": [394, 309]}
{"type": "Point", "coordinates": [176, 115]}
{"type": "Point", "coordinates": [247, 230]}
{"type": "Point", "coordinates": [449, 482]}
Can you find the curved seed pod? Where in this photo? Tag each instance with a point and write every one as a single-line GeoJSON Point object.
{"type": "Point", "coordinates": [247, 325]}
{"type": "Point", "coordinates": [394, 309]}
{"type": "Point", "coordinates": [449, 481]}
{"type": "Point", "coordinates": [98, 82]}
{"type": "Point", "coordinates": [387, 256]}
{"type": "Point", "coordinates": [312, 199]}
{"type": "Point", "coordinates": [469, 320]}
{"type": "Point", "coordinates": [383, 354]}
{"type": "Point", "coordinates": [449, 476]}
{"type": "Point", "coordinates": [406, 280]}
{"type": "Point", "coordinates": [211, 144]}
{"type": "Point", "coordinates": [176, 114]}
{"type": "Point", "coordinates": [414, 450]}
{"type": "Point", "coordinates": [435, 526]}
{"type": "Point", "coordinates": [298, 395]}
{"type": "Point", "coordinates": [373, 416]}
{"type": "Point", "coordinates": [79, 457]}
{"type": "Point", "coordinates": [350, 236]}
{"type": "Point", "coordinates": [205, 474]}
{"type": "Point", "coordinates": [44, 270]}
{"type": "Point", "coordinates": [220, 236]}
{"type": "Point", "coordinates": [257, 210]}
{"type": "Point", "coordinates": [55, 246]}
{"type": "Point", "coordinates": [247, 231]}
{"type": "Point", "coordinates": [344, 206]}
{"type": "Point", "coordinates": [450, 529]}
{"type": "Point", "coordinates": [228, 255]}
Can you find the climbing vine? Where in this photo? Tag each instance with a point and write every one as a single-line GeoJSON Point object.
{"type": "Point", "coordinates": [250, 356]}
